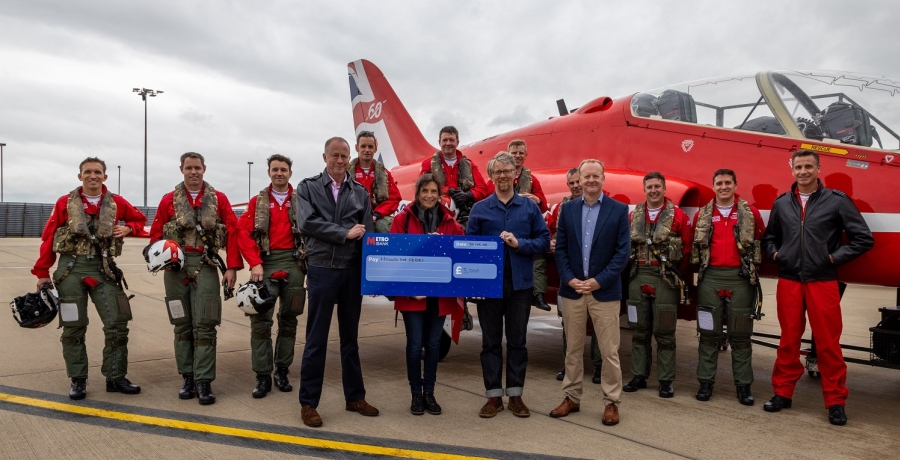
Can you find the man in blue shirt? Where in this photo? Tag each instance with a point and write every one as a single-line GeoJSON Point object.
{"type": "Point", "coordinates": [519, 222]}
{"type": "Point", "coordinates": [592, 248]}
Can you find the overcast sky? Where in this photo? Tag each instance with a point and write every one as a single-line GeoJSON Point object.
{"type": "Point", "coordinates": [243, 80]}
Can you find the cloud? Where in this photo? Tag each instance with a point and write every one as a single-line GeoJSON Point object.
{"type": "Point", "coordinates": [518, 117]}
{"type": "Point", "coordinates": [244, 80]}
{"type": "Point", "coordinates": [196, 117]}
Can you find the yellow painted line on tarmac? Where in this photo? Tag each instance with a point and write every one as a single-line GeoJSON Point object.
{"type": "Point", "coordinates": [228, 431]}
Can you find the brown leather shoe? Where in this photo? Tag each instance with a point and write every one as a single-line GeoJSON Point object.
{"type": "Point", "coordinates": [563, 409]}
{"type": "Point", "coordinates": [310, 416]}
{"type": "Point", "coordinates": [611, 415]}
{"type": "Point", "coordinates": [518, 408]}
{"type": "Point", "coordinates": [491, 407]}
{"type": "Point", "coordinates": [362, 407]}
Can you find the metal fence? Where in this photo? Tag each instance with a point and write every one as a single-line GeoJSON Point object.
{"type": "Point", "coordinates": [28, 219]}
{"type": "Point", "coordinates": [23, 219]}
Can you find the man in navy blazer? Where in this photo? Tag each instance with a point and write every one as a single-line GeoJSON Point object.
{"type": "Point", "coordinates": [592, 248]}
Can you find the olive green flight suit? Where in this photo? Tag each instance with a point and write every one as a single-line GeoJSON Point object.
{"type": "Point", "coordinates": [655, 314]}
{"type": "Point", "coordinates": [195, 309]}
{"type": "Point", "coordinates": [113, 307]}
{"type": "Point", "coordinates": [291, 296]}
{"type": "Point", "coordinates": [739, 311]}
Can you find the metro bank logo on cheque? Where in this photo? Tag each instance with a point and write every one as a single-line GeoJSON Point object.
{"type": "Point", "coordinates": [377, 241]}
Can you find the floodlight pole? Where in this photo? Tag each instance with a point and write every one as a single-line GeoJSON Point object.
{"type": "Point", "coordinates": [249, 193]}
{"type": "Point", "coordinates": [1, 170]}
{"type": "Point", "coordinates": [144, 92]}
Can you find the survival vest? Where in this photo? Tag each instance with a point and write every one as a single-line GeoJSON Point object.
{"type": "Point", "coordinates": [183, 227]}
{"type": "Point", "coordinates": [658, 237]}
{"type": "Point", "coordinates": [261, 219]}
{"type": "Point", "coordinates": [465, 181]}
{"type": "Point", "coordinates": [84, 233]}
{"type": "Point", "coordinates": [380, 187]}
{"type": "Point", "coordinates": [524, 183]}
{"type": "Point", "coordinates": [748, 247]}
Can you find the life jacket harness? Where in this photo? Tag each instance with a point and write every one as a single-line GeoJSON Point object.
{"type": "Point", "coordinates": [380, 186]}
{"type": "Point", "coordinates": [656, 242]}
{"type": "Point", "coordinates": [89, 235]}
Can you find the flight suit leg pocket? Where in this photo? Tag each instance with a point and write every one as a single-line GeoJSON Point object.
{"type": "Point", "coordinates": [709, 320]}
{"type": "Point", "coordinates": [637, 315]}
{"type": "Point", "coordinates": [666, 316]}
{"type": "Point", "coordinates": [741, 324]}
{"type": "Point", "coordinates": [73, 311]}
{"type": "Point", "coordinates": [297, 301]}
{"type": "Point", "coordinates": [211, 310]}
{"type": "Point", "coordinates": [123, 308]}
{"type": "Point", "coordinates": [179, 310]}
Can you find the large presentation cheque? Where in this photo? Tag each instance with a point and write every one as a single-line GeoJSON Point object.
{"type": "Point", "coordinates": [432, 265]}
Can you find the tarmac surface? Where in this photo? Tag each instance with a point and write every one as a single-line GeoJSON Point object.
{"type": "Point", "coordinates": [37, 419]}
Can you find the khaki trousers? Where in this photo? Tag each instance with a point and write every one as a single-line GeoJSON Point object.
{"type": "Point", "coordinates": [605, 317]}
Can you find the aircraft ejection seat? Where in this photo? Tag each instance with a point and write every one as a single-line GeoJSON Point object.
{"type": "Point", "coordinates": [676, 105]}
{"type": "Point", "coordinates": [762, 125]}
{"type": "Point", "coordinates": [644, 105]}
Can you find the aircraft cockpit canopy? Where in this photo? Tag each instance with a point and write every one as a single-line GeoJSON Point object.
{"type": "Point", "coordinates": [826, 106]}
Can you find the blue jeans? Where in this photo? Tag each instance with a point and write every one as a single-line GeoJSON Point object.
{"type": "Point", "coordinates": [326, 287]}
{"type": "Point", "coordinates": [423, 328]}
{"type": "Point", "coordinates": [512, 311]}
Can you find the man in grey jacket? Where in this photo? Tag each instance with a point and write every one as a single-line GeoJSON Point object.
{"type": "Point", "coordinates": [335, 213]}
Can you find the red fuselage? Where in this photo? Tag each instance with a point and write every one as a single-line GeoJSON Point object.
{"type": "Point", "coordinates": [688, 154]}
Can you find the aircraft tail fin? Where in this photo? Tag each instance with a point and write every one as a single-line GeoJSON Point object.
{"type": "Point", "coordinates": [377, 108]}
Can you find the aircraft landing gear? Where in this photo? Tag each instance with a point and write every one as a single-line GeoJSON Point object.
{"type": "Point", "coordinates": [812, 367]}
{"type": "Point", "coordinates": [445, 345]}
{"type": "Point", "coordinates": [723, 345]}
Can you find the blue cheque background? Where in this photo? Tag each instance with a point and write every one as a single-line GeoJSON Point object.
{"type": "Point", "coordinates": [435, 246]}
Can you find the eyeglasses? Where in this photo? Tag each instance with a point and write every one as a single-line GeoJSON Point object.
{"type": "Point", "coordinates": [504, 172]}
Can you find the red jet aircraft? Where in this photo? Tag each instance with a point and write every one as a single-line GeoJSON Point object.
{"type": "Point", "coordinates": [750, 124]}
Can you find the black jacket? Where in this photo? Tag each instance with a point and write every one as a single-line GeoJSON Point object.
{"type": "Point", "coordinates": [326, 223]}
{"type": "Point", "coordinates": [803, 243]}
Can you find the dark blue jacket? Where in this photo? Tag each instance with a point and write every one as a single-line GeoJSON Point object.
{"type": "Point", "coordinates": [609, 251]}
{"type": "Point", "coordinates": [522, 218]}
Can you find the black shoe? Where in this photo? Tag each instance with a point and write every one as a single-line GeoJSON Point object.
{"type": "Point", "coordinates": [836, 415]}
{"type": "Point", "coordinates": [744, 396]}
{"type": "Point", "coordinates": [537, 300]}
{"type": "Point", "coordinates": [636, 383]}
{"type": "Point", "coordinates": [705, 391]}
{"type": "Point", "coordinates": [204, 391]}
{"type": "Point", "coordinates": [561, 374]}
{"type": "Point", "coordinates": [596, 377]}
{"type": "Point", "coordinates": [665, 389]}
{"type": "Point", "coordinates": [263, 386]}
{"type": "Point", "coordinates": [777, 403]}
{"type": "Point", "coordinates": [417, 406]}
{"type": "Point", "coordinates": [431, 405]}
{"type": "Point", "coordinates": [122, 385]}
{"type": "Point", "coordinates": [281, 379]}
{"type": "Point", "coordinates": [77, 391]}
{"type": "Point", "coordinates": [187, 390]}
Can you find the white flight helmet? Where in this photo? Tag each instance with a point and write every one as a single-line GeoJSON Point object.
{"type": "Point", "coordinates": [448, 203]}
{"type": "Point", "coordinates": [165, 255]}
{"type": "Point", "coordinates": [254, 298]}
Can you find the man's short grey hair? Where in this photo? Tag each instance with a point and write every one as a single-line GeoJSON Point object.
{"type": "Point", "coordinates": [501, 157]}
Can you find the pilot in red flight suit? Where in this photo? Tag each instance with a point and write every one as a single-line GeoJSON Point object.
{"type": "Point", "coordinates": [804, 239]}
{"type": "Point", "coordinates": [377, 180]}
{"type": "Point", "coordinates": [461, 178]}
